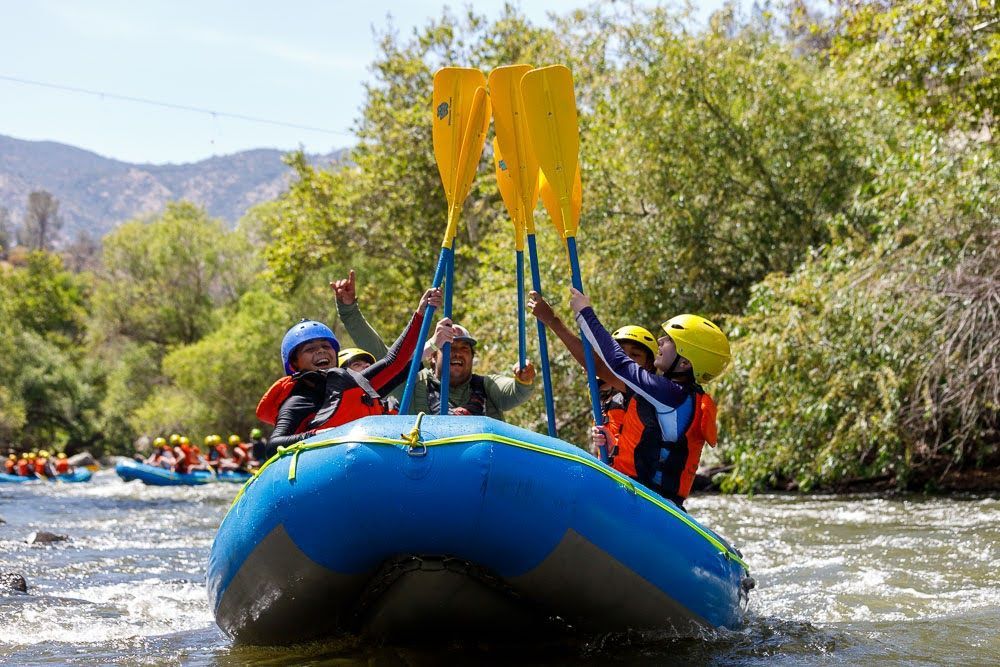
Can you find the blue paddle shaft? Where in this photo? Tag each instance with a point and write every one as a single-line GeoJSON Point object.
{"type": "Point", "coordinates": [588, 353]}
{"type": "Point", "coordinates": [418, 353]}
{"type": "Point", "coordinates": [522, 342]}
{"type": "Point", "coordinates": [449, 282]}
{"type": "Point", "coordinates": [543, 346]}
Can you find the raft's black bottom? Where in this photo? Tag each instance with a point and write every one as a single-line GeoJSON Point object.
{"type": "Point", "coordinates": [409, 598]}
{"type": "Point", "coordinates": [415, 598]}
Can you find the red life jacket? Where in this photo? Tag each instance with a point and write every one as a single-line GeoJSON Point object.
{"type": "Point", "coordinates": [40, 466]}
{"type": "Point", "coordinates": [181, 458]}
{"type": "Point", "coordinates": [9, 466]}
{"type": "Point", "coordinates": [62, 466]}
{"type": "Point", "coordinates": [640, 426]}
{"type": "Point", "coordinates": [193, 455]}
{"type": "Point", "coordinates": [23, 468]}
{"type": "Point", "coordinates": [342, 406]}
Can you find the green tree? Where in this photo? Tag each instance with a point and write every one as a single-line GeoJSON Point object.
{"type": "Point", "coordinates": [942, 57]}
{"type": "Point", "coordinates": [161, 280]}
{"type": "Point", "coordinates": [877, 360]}
{"type": "Point", "coordinates": [215, 383]}
{"type": "Point", "coordinates": [45, 298]}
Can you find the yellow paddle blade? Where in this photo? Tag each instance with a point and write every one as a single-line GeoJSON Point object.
{"type": "Point", "coordinates": [550, 114]}
{"type": "Point", "coordinates": [551, 202]}
{"type": "Point", "coordinates": [508, 191]}
{"type": "Point", "coordinates": [454, 89]}
{"type": "Point", "coordinates": [512, 134]}
{"type": "Point", "coordinates": [468, 159]}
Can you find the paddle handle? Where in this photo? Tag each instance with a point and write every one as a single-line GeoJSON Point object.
{"type": "Point", "coordinates": [418, 353]}
{"type": "Point", "coordinates": [543, 344]}
{"type": "Point", "coordinates": [449, 283]}
{"type": "Point", "coordinates": [522, 342]}
{"type": "Point", "coordinates": [588, 352]}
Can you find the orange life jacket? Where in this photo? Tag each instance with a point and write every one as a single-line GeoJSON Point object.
{"type": "Point", "coordinates": [193, 455]}
{"type": "Point", "coordinates": [9, 466]}
{"type": "Point", "coordinates": [40, 466]}
{"type": "Point", "coordinates": [62, 466]}
{"type": "Point", "coordinates": [23, 468]}
{"type": "Point", "coordinates": [345, 406]}
{"type": "Point", "coordinates": [640, 429]}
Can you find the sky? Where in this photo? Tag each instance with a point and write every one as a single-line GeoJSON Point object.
{"type": "Point", "coordinates": [296, 62]}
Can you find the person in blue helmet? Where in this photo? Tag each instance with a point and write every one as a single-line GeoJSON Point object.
{"type": "Point", "coordinates": [316, 394]}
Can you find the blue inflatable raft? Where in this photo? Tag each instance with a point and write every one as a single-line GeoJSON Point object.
{"type": "Point", "coordinates": [466, 525]}
{"type": "Point", "coordinates": [78, 475]}
{"type": "Point", "coordinates": [156, 476]}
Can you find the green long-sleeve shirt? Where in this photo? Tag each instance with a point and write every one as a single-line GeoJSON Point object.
{"type": "Point", "coordinates": [502, 393]}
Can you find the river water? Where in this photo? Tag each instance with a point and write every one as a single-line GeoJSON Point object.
{"type": "Point", "coordinates": [855, 580]}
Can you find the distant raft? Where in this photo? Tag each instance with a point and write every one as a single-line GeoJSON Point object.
{"type": "Point", "coordinates": [78, 475]}
{"type": "Point", "coordinates": [157, 476]}
{"type": "Point", "coordinates": [466, 526]}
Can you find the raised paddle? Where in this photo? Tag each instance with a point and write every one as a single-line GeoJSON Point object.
{"type": "Point", "coordinates": [472, 152]}
{"type": "Point", "coordinates": [508, 193]}
{"type": "Point", "coordinates": [550, 112]}
{"type": "Point", "coordinates": [461, 114]}
{"type": "Point", "coordinates": [551, 201]}
{"type": "Point", "coordinates": [514, 145]}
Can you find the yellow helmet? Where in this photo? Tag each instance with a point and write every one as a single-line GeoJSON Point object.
{"type": "Point", "coordinates": [31, 456]}
{"type": "Point", "coordinates": [160, 442]}
{"type": "Point", "coordinates": [350, 354]}
{"type": "Point", "coordinates": [234, 439]}
{"type": "Point", "coordinates": [216, 439]}
{"type": "Point", "coordinates": [43, 454]}
{"type": "Point", "coordinates": [638, 335]}
{"type": "Point", "coordinates": [12, 457]}
{"type": "Point", "coordinates": [702, 343]}
{"type": "Point", "coordinates": [61, 455]}
{"type": "Point", "coordinates": [185, 440]}
{"type": "Point", "coordinates": [175, 439]}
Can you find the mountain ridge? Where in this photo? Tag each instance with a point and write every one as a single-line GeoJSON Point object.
{"type": "Point", "coordinates": [97, 193]}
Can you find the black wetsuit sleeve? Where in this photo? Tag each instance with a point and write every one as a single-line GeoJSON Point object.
{"type": "Point", "coordinates": [294, 412]}
{"type": "Point", "coordinates": [388, 372]}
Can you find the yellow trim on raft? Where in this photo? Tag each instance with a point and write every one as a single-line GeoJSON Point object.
{"type": "Point", "coordinates": [408, 441]}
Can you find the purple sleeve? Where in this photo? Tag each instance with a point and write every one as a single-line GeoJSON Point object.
{"type": "Point", "coordinates": [660, 391]}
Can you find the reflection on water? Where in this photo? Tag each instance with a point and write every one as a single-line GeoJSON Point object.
{"type": "Point", "coordinates": [846, 579]}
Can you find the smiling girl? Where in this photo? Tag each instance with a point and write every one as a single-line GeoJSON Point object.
{"type": "Point", "coordinates": [316, 394]}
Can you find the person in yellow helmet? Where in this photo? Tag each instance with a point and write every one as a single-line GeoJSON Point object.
{"type": "Point", "coordinates": [43, 464]}
{"type": "Point", "coordinates": [62, 466]}
{"type": "Point", "coordinates": [10, 465]}
{"type": "Point", "coordinates": [638, 343]}
{"type": "Point", "coordinates": [355, 359]}
{"type": "Point", "coordinates": [669, 417]}
{"type": "Point", "coordinates": [162, 455]}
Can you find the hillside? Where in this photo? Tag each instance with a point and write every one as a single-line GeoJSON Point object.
{"type": "Point", "coordinates": [97, 193]}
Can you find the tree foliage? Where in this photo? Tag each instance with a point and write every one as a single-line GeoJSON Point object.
{"type": "Point", "coordinates": [162, 280]}
{"type": "Point", "coordinates": [942, 57]}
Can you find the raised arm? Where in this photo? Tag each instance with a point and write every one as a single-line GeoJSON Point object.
{"type": "Point", "coordinates": [388, 372]}
{"type": "Point", "coordinates": [541, 309]}
{"type": "Point", "coordinates": [358, 328]}
{"type": "Point", "coordinates": [662, 392]}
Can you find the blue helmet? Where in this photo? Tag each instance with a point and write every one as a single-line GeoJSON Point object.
{"type": "Point", "coordinates": [303, 332]}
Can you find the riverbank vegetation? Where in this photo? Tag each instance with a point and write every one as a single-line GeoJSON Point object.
{"type": "Point", "coordinates": [822, 185]}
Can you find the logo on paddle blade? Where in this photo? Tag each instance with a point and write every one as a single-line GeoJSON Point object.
{"type": "Point", "coordinates": [503, 166]}
{"type": "Point", "coordinates": [442, 110]}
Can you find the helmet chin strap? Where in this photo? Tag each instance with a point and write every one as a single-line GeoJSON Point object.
{"type": "Point", "coordinates": [673, 373]}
